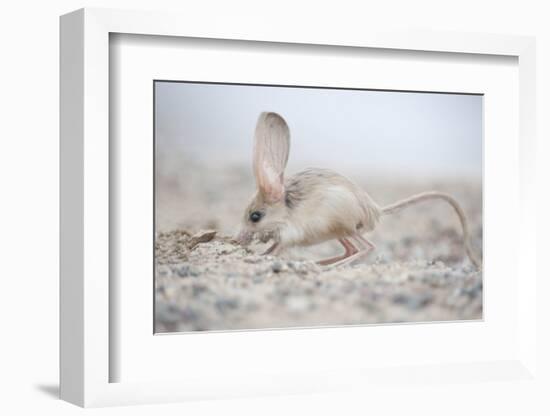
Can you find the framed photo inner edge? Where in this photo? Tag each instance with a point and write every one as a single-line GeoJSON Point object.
{"type": "Point", "coordinates": [84, 280]}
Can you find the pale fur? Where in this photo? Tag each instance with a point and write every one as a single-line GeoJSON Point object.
{"type": "Point", "coordinates": [314, 205]}
{"type": "Point", "coordinates": [322, 205]}
{"type": "Point", "coordinates": [270, 156]}
{"type": "Point", "coordinates": [330, 207]}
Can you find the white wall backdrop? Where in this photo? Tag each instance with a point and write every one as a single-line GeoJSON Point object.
{"type": "Point", "coordinates": [29, 209]}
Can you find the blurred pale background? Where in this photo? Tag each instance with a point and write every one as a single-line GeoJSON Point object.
{"type": "Point", "coordinates": [377, 131]}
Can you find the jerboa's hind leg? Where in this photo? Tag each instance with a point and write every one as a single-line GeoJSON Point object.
{"type": "Point", "coordinates": [365, 247]}
{"type": "Point", "coordinates": [350, 250]}
{"type": "Point", "coordinates": [356, 247]}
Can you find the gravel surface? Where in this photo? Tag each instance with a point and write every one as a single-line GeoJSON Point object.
{"type": "Point", "coordinates": [418, 272]}
{"type": "Point", "coordinates": [218, 285]}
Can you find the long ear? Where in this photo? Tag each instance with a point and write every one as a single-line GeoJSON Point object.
{"type": "Point", "coordinates": [271, 147]}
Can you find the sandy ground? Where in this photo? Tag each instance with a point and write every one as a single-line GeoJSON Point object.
{"type": "Point", "coordinates": [418, 272]}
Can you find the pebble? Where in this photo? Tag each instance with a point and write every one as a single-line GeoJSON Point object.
{"type": "Point", "coordinates": [413, 301]}
{"type": "Point", "coordinates": [170, 290]}
{"type": "Point", "coordinates": [472, 291]}
{"type": "Point", "coordinates": [202, 236]}
{"type": "Point", "coordinates": [189, 314]}
{"type": "Point", "coordinates": [184, 270]}
{"type": "Point", "coordinates": [198, 289]}
{"type": "Point", "coordinates": [253, 259]}
{"type": "Point", "coordinates": [166, 313]}
{"type": "Point", "coordinates": [224, 305]}
{"type": "Point", "coordinates": [163, 271]}
{"type": "Point", "coordinates": [303, 267]}
{"type": "Point", "coordinates": [277, 267]}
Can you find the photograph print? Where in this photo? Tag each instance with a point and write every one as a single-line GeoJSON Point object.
{"type": "Point", "coordinates": [303, 207]}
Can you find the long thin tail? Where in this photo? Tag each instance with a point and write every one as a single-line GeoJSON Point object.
{"type": "Point", "coordinates": [399, 205]}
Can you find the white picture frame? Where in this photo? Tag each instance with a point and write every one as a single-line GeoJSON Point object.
{"type": "Point", "coordinates": [85, 168]}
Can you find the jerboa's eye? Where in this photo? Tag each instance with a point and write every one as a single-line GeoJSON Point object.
{"type": "Point", "coordinates": [256, 216]}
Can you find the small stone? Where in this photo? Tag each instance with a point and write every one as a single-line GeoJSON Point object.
{"type": "Point", "coordinates": [163, 271]}
{"type": "Point", "coordinates": [226, 304]}
{"type": "Point", "coordinates": [472, 291]}
{"type": "Point", "coordinates": [183, 270]}
{"type": "Point", "coordinates": [301, 267]}
{"type": "Point", "coordinates": [277, 267]}
{"type": "Point", "coordinates": [202, 236]}
{"type": "Point", "coordinates": [407, 241]}
{"type": "Point", "coordinates": [170, 290]}
{"type": "Point", "coordinates": [413, 302]}
{"type": "Point", "coordinates": [198, 289]}
{"type": "Point", "coordinates": [253, 259]}
{"type": "Point", "coordinates": [167, 313]}
{"type": "Point", "coordinates": [189, 314]}
{"type": "Point", "coordinates": [193, 271]}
